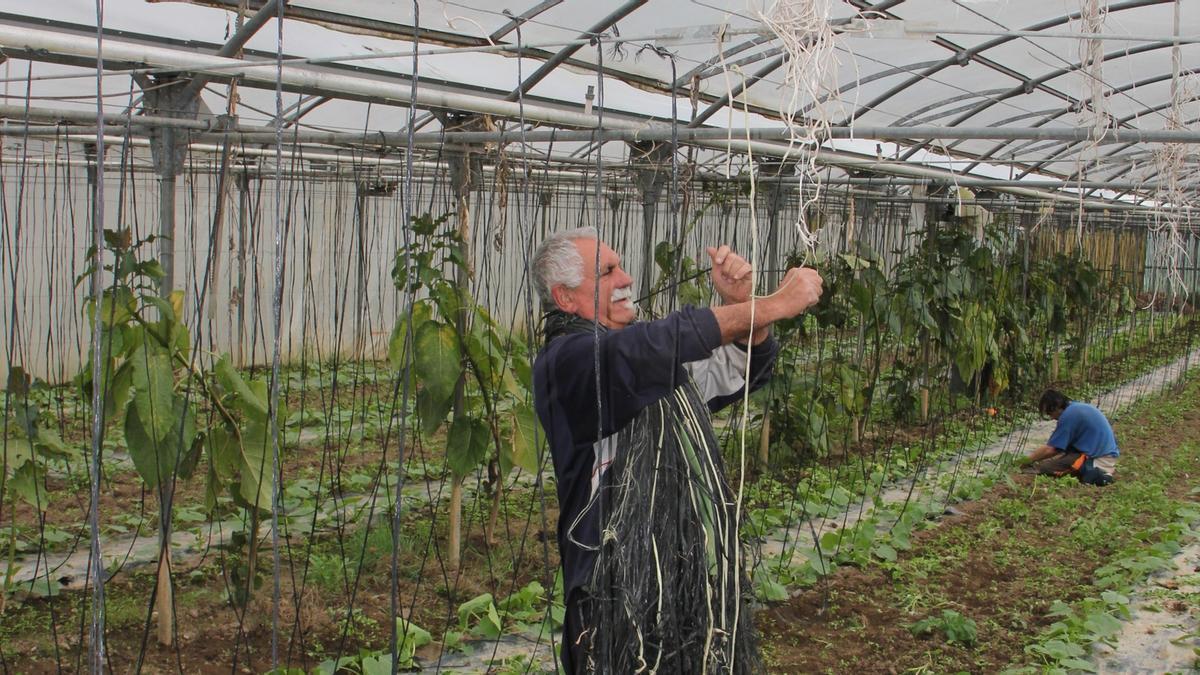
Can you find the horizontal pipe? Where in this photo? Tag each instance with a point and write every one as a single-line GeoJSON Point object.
{"type": "Point", "coordinates": [657, 132]}
{"type": "Point", "coordinates": [39, 43]}
{"type": "Point", "coordinates": [1038, 190]}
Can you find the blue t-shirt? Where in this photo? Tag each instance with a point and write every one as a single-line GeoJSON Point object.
{"type": "Point", "coordinates": [1084, 428]}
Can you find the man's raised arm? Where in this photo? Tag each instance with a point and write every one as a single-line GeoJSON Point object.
{"type": "Point", "coordinates": [800, 289]}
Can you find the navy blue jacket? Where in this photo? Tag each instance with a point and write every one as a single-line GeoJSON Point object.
{"type": "Point", "coordinates": [639, 365]}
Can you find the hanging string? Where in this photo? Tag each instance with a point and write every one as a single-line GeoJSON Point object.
{"type": "Point", "coordinates": [96, 563]}
{"type": "Point", "coordinates": [1174, 199]}
{"type": "Point", "coordinates": [405, 377]}
{"type": "Point", "coordinates": [277, 333]}
{"type": "Point", "coordinates": [1093, 111]}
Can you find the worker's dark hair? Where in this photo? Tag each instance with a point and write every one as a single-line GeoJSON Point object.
{"type": "Point", "coordinates": [1052, 401]}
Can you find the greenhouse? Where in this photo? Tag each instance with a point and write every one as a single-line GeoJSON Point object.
{"type": "Point", "coordinates": [675, 336]}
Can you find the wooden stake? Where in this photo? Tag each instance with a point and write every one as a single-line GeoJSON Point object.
{"type": "Point", "coordinates": [454, 545]}
{"type": "Point", "coordinates": [164, 598]}
{"type": "Point", "coordinates": [497, 491]}
{"type": "Point", "coordinates": [924, 404]}
{"type": "Point", "coordinates": [764, 440]}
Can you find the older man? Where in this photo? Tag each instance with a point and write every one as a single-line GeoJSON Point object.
{"type": "Point", "coordinates": [648, 531]}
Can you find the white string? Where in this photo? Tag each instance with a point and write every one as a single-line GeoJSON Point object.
{"type": "Point", "coordinates": [803, 29]}
{"type": "Point", "coordinates": [96, 657]}
{"type": "Point", "coordinates": [1093, 112]}
{"type": "Point", "coordinates": [277, 323]}
{"type": "Point", "coordinates": [1172, 213]}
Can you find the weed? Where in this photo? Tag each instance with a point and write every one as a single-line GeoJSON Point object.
{"type": "Point", "coordinates": [956, 627]}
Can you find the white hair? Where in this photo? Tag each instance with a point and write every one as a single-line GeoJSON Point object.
{"type": "Point", "coordinates": [557, 262]}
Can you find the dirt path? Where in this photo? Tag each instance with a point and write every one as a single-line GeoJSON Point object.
{"type": "Point", "coordinates": [1162, 634]}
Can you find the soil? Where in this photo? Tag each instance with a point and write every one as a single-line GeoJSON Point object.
{"type": "Point", "coordinates": [216, 636]}
{"type": "Point", "coordinates": [849, 622]}
{"type": "Point", "coordinates": [852, 622]}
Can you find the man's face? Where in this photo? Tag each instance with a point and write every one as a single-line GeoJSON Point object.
{"type": "Point", "coordinates": [614, 286]}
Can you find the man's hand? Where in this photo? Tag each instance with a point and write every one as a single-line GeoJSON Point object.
{"type": "Point", "coordinates": [732, 276]}
{"type": "Point", "coordinates": [800, 289]}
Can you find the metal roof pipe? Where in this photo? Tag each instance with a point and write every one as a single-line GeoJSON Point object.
{"type": "Point", "coordinates": [37, 43]}
{"type": "Point", "coordinates": [656, 132]}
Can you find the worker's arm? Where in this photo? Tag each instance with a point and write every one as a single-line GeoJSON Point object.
{"type": "Point", "coordinates": [1044, 452]}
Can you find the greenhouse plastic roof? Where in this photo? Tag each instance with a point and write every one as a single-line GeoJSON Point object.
{"type": "Point", "coordinates": [899, 63]}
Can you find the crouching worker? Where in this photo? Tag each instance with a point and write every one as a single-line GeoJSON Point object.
{"type": "Point", "coordinates": [1082, 445]}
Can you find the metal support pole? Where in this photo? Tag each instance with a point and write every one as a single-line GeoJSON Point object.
{"type": "Point", "coordinates": [652, 168]}
{"type": "Point", "coordinates": [235, 43]}
{"type": "Point", "coordinates": [168, 149]}
{"type": "Point", "coordinates": [239, 290]}
{"type": "Point", "coordinates": [622, 130]}
{"type": "Point", "coordinates": [775, 192]}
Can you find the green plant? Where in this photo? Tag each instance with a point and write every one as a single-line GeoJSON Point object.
{"type": "Point", "coordinates": [468, 367]}
{"type": "Point", "coordinates": [956, 627]}
{"type": "Point", "coordinates": [29, 442]}
{"type": "Point", "coordinates": [149, 380]}
{"type": "Point", "coordinates": [480, 617]}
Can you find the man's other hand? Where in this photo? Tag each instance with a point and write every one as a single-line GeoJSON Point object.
{"type": "Point", "coordinates": [732, 276]}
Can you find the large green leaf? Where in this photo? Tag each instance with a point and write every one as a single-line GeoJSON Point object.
{"type": "Point", "coordinates": [157, 460]}
{"type": "Point", "coordinates": [438, 362]}
{"type": "Point", "coordinates": [480, 616]}
{"type": "Point", "coordinates": [112, 346]}
{"type": "Point", "coordinates": [525, 452]}
{"type": "Point", "coordinates": [411, 637]}
{"type": "Point", "coordinates": [399, 343]}
{"type": "Point", "coordinates": [251, 401]}
{"type": "Point", "coordinates": [466, 444]}
{"type": "Point", "coordinates": [165, 309]}
{"type": "Point", "coordinates": [27, 483]}
{"type": "Point", "coordinates": [154, 383]}
{"type": "Point", "coordinates": [116, 396]}
{"type": "Point", "coordinates": [117, 306]}
{"type": "Point", "coordinates": [256, 479]}
{"type": "Point", "coordinates": [223, 452]}
{"type": "Point", "coordinates": [14, 452]}
{"type": "Point", "coordinates": [437, 365]}
{"type": "Point", "coordinates": [51, 444]}
{"type": "Point", "coordinates": [432, 411]}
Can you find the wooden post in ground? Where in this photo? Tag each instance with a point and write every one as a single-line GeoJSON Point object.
{"type": "Point", "coordinates": [764, 440]}
{"type": "Point", "coordinates": [165, 598]}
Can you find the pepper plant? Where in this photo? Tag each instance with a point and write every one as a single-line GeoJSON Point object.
{"type": "Point", "coordinates": [152, 386]}
{"type": "Point", "coordinates": [29, 442]}
{"type": "Point", "coordinates": [464, 366]}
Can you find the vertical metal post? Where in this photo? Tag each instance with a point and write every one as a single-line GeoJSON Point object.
{"type": "Point", "coordinates": [168, 149]}
{"type": "Point", "coordinates": [239, 291]}
{"type": "Point", "coordinates": [651, 162]}
{"type": "Point", "coordinates": [775, 192]}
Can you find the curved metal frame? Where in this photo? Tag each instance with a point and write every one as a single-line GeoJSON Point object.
{"type": "Point", "coordinates": [1035, 83]}
{"type": "Point", "coordinates": [1054, 115]}
{"type": "Point", "coordinates": [963, 55]}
